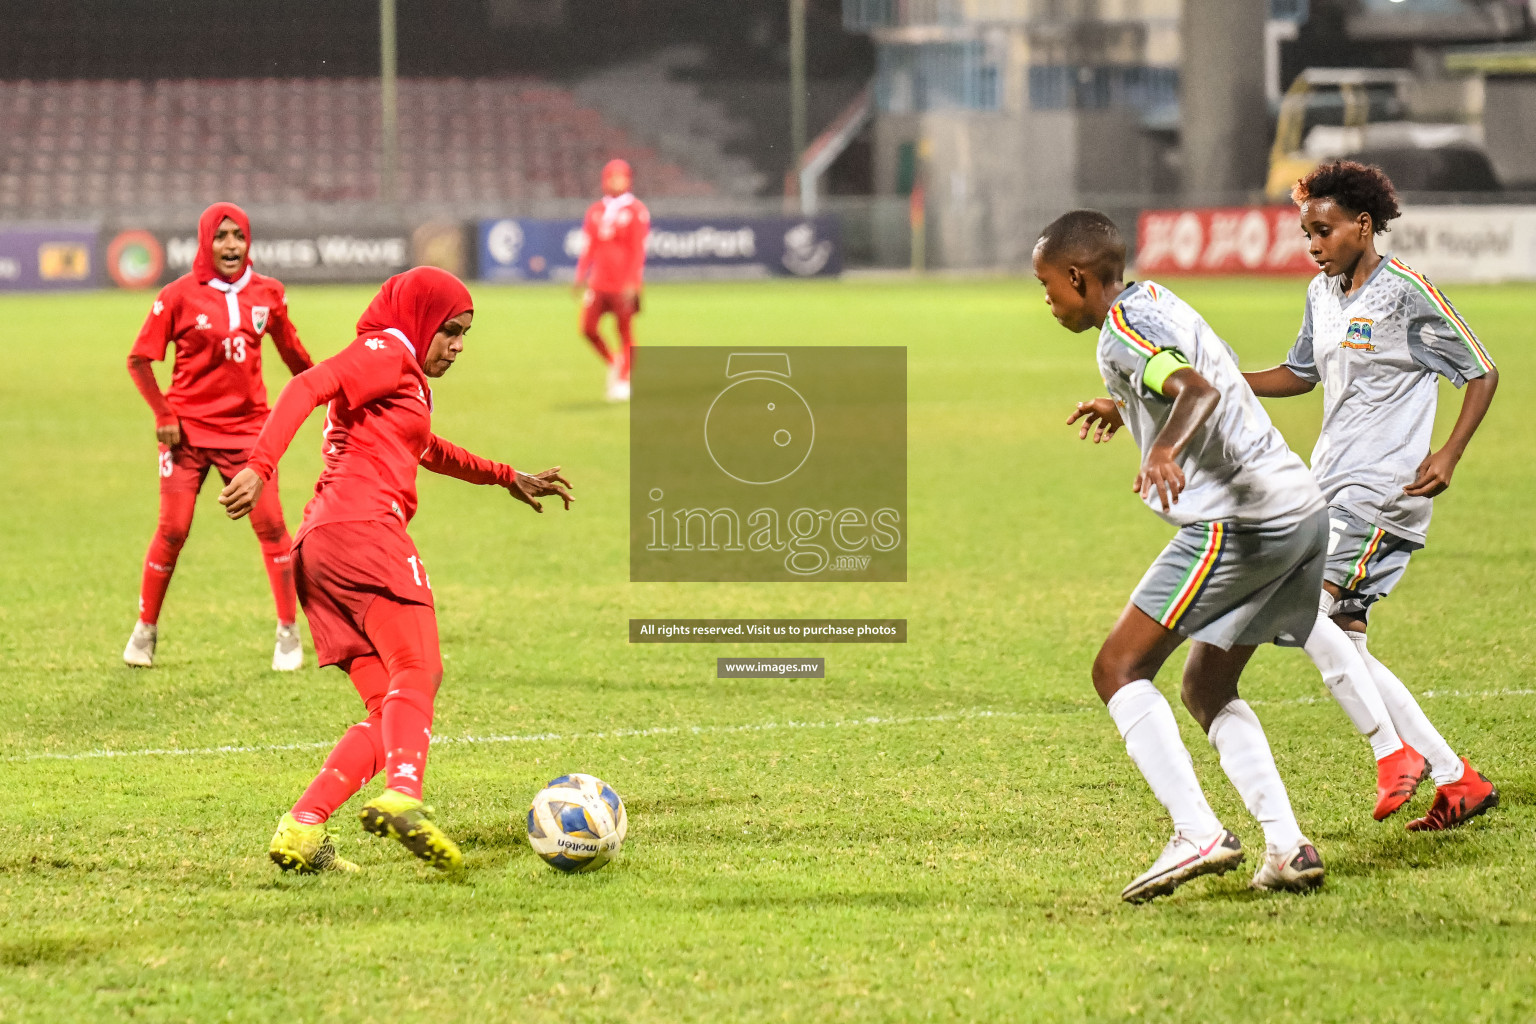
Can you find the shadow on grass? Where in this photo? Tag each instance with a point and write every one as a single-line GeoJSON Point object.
{"type": "Point", "coordinates": [43, 949]}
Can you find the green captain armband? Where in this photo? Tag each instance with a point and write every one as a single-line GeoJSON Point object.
{"type": "Point", "coordinates": [1160, 367]}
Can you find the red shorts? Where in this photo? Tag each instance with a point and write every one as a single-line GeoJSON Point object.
{"type": "Point", "coordinates": [185, 467]}
{"type": "Point", "coordinates": [339, 568]}
{"type": "Point", "coordinates": [596, 303]}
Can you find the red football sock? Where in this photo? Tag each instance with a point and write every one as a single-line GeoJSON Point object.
{"type": "Point", "coordinates": [589, 318]}
{"type": "Point", "coordinates": [627, 343]}
{"type": "Point", "coordinates": [276, 551]}
{"type": "Point", "coordinates": [405, 635]}
{"type": "Point", "coordinates": [176, 508]}
{"type": "Point", "coordinates": [359, 754]}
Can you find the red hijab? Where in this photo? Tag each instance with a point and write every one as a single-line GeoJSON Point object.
{"type": "Point", "coordinates": [202, 263]}
{"type": "Point", "coordinates": [618, 167]}
{"type": "Point", "coordinates": [416, 303]}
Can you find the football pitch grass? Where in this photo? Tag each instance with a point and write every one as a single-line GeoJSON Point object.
{"type": "Point", "coordinates": [936, 830]}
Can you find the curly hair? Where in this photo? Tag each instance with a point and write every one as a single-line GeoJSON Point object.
{"type": "Point", "coordinates": [1357, 187]}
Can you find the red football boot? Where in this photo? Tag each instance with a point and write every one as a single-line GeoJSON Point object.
{"type": "Point", "coordinates": [1459, 802]}
{"type": "Point", "coordinates": [1397, 778]}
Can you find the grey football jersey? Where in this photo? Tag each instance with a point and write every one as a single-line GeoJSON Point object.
{"type": "Point", "coordinates": [1377, 353]}
{"type": "Point", "coordinates": [1237, 467]}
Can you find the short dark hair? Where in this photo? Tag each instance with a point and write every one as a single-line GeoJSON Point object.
{"type": "Point", "coordinates": [1358, 188]}
{"type": "Point", "coordinates": [1087, 239]}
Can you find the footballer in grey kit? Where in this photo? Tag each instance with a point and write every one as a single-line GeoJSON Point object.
{"type": "Point", "coordinates": [1244, 568]}
{"type": "Point", "coordinates": [1245, 491]}
{"type": "Point", "coordinates": [1379, 352]}
{"type": "Point", "coordinates": [1379, 336]}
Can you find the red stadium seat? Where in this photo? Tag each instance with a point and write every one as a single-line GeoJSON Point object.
{"type": "Point", "coordinates": [80, 147]}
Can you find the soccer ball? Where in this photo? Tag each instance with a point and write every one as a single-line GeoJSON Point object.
{"type": "Point", "coordinates": [577, 823]}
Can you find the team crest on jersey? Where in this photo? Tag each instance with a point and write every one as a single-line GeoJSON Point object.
{"type": "Point", "coordinates": [259, 318]}
{"type": "Point", "coordinates": [1359, 334]}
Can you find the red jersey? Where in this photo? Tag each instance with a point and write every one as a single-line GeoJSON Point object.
{"type": "Point", "coordinates": [378, 430]}
{"type": "Point", "coordinates": [216, 387]}
{"type": "Point", "coordinates": [616, 228]}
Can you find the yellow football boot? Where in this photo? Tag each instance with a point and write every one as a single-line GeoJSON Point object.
{"type": "Point", "coordinates": [399, 816]}
{"type": "Point", "coordinates": [307, 849]}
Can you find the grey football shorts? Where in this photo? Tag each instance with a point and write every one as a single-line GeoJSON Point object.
{"type": "Point", "coordinates": [1364, 561]}
{"type": "Point", "coordinates": [1229, 584]}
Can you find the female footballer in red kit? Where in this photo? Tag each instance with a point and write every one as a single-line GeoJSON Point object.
{"type": "Point", "coordinates": [364, 588]}
{"type": "Point", "coordinates": [215, 317]}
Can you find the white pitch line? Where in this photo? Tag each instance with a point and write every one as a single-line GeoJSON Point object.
{"type": "Point", "coordinates": [869, 721]}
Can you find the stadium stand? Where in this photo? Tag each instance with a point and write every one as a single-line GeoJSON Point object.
{"type": "Point", "coordinates": [730, 130]}
{"type": "Point", "coordinates": [75, 148]}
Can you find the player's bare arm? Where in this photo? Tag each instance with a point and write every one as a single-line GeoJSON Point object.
{"type": "Point", "coordinates": [1277, 382]}
{"type": "Point", "coordinates": [1434, 474]}
{"type": "Point", "coordinates": [1099, 414]}
{"type": "Point", "coordinates": [529, 487]}
{"type": "Point", "coordinates": [1194, 399]}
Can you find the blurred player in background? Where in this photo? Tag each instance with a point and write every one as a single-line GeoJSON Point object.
{"type": "Point", "coordinates": [1377, 336]}
{"type": "Point", "coordinates": [215, 317]}
{"type": "Point", "coordinates": [364, 587]}
{"type": "Point", "coordinates": [1244, 568]}
{"type": "Point", "coordinates": [611, 270]}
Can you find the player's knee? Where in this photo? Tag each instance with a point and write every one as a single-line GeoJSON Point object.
{"type": "Point", "coordinates": [1197, 706]}
{"type": "Point", "coordinates": [172, 535]}
{"type": "Point", "coordinates": [1111, 671]}
{"type": "Point", "coordinates": [1204, 699]}
{"type": "Point", "coordinates": [271, 532]}
{"type": "Point", "coordinates": [1349, 622]}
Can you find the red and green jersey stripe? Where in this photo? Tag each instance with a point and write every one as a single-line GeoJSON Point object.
{"type": "Point", "coordinates": [1447, 311]}
{"type": "Point", "coordinates": [1194, 580]}
{"type": "Point", "coordinates": [1121, 328]}
{"type": "Point", "coordinates": [1362, 561]}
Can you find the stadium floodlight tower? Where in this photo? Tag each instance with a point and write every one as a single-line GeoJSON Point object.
{"type": "Point", "coordinates": [797, 115]}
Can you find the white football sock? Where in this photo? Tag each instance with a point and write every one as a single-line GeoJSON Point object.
{"type": "Point", "coordinates": [1349, 680]}
{"type": "Point", "coordinates": [1411, 722]}
{"type": "Point", "coordinates": [1152, 739]}
{"type": "Point", "coordinates": [1239, 739]}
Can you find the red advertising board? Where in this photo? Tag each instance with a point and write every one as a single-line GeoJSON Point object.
{"type": "Point", "coordinates": [1226, 240]}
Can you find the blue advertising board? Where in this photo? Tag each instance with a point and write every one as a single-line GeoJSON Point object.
{"type": "Point", "coordinates": [677, 248]}
{"type": "Point", "coordinates": [50, 258]}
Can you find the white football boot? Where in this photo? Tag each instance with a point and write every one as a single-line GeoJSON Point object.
{"type": "Point", "coordinates": [1299, 869]}
{"type": "Point", "coordinates": [618, 387]}
{"type": "Point", "coordinates": [140, 651]}
{"type": "Point", "coordinates": [288, 655]}
{"type": "Point", "coordinates": [1183, 859]}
